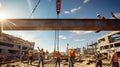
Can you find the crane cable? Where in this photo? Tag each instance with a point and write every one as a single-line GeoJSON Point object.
{"type": "Point", "coordinates": [57, 36]}
{"type": "Point", "coordinates": [34, 8]}
{"type": "Point", "coordinates": [55, 43]}
{"type": "Point", "coordinates": [58, 7]}
{"type": "Point", "coordinates": [57, 40]}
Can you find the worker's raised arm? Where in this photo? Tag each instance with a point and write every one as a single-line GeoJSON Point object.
{"type": "Point", "coordinates": [38, 48]}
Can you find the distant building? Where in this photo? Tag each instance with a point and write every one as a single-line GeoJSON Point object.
{"type": "Point", "coordinates": [11, 45]}
{"type": "Point", "coordinates": [84, 50]}
{"type": "Point", "coordinates": [77, 51]}
{"type": "Point", "coordinates": [80, 50]}
{"type": "Point", "coordinates": [108, 41]}
{"type": "Point", "coordinates": [89, 51]}
{"type": "Point", "coordinates": [93, 47]}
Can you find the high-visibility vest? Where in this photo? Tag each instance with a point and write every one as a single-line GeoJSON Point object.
{"type": "Point", "coordinates": [30, 54]}
{"type": "Point", "coordinates": [72, 53]}
{"type": "Point", "coordinates": [57, 55]}
{"type": "Point", "coordinates": [115, 57]}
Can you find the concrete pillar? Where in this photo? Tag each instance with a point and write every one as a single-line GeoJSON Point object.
{"type": "Point", "coordinates": [21, 49]}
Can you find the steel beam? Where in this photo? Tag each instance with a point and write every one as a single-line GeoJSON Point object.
{"type": "Point", "coordinates": [61, 24]}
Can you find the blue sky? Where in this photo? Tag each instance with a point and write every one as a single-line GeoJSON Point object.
{"type": "Point", "coordinates": [69, 9]}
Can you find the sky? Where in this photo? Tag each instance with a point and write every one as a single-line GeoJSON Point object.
{"type": "Point", "coordinates": [75, 9]}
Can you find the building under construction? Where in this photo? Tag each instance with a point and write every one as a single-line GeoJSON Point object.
{"type": "Point", "coordinates": [108, 41]}
{"type": "Point", "coordinates": [12, 46]}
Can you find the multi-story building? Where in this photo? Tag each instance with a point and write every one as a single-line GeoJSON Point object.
{"type": "Point", "coordinates": [11, 45]}
{"type": "Point", "coordinates": [106, 42]}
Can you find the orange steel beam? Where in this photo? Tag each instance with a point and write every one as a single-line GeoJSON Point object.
{"type": "Point", "coordinates": [61, 24]}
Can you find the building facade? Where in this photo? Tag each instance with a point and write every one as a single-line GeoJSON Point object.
{"type": "Point", "coordinates": [11, 45]}
{"type": "Point", "coordinates": [108, 41]}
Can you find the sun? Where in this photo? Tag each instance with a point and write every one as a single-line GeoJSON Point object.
{"type": "Point", "coordinates": [3, 16]}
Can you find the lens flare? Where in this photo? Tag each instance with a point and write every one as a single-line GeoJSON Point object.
{"type": "Point", "coordinates": [3, 16]}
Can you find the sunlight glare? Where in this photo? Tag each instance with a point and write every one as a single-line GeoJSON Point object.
{"type": "Point", "coordinates": [3, 16]}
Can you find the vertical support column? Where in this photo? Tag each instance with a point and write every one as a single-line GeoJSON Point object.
{"type": "Point", "coordinates": [67, 49]}
{"type": "Point", "coordinates": [21, 49]}
{"type": "Point", "coordinates": [58, 7]}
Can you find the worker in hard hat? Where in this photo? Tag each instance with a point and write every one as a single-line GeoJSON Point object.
{"type": "Point", "coordinates": [114, 58]}
{"type": "Point", "coordinates": [22, 56]}
{"type": "Point", "coordinates": [30, 57]}
{"type": "Point", "coordinates": [41, 57]}
{"type": "Point", "coordinates": [98, 58]}
{"type": "Point", "coordinates": [100, 16]}
{"type": "Point", "coordinates": [71, 57]}
{"type": "Point", "coordinates": [57, 58]}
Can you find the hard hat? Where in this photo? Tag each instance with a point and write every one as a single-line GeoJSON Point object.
{"type": "Point", "coordinates": [41, 48]}
{"type": "Point", "coordinates": [98, 49]}
{"type": "Point", "coordinates": [98, 15]}
{"type": "Point", "coordinates": [112, 48]}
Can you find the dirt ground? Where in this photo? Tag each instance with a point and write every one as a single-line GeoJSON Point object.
{"type": "Point", "coordinates": [51, 64]}
{"type": "Point", "coordinates": [19, 64]}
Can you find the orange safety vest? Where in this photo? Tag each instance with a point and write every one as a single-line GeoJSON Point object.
{"type": "Point", "coordinates": [115, 57]}
{"type": "Point", "coordinates": [30, 54]}
{"type": "Point", "coordinates": [57, 55]}
{"type": "Point", "coordinates": [71, 53]}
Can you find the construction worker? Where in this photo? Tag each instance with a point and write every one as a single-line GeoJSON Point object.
{"type": "Point", "coordinates": [98, 58]}
{"type": "Point", "coordinates": [30, 57]}
{"type": "Point", "coordinates": [114, 58]}
{"type": "Point", "coordinates": [22, 56]}
{"type": "Point", "coordinates": [57, 58]}
{"type": "Point", "coordinates": [5, 58]}
{"type": "Point", "coordinates": [71, 57]}
{"type": "Point", "coordinates": [100, 16]}
{"type": "Point", "coordinates": [41, 57]}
